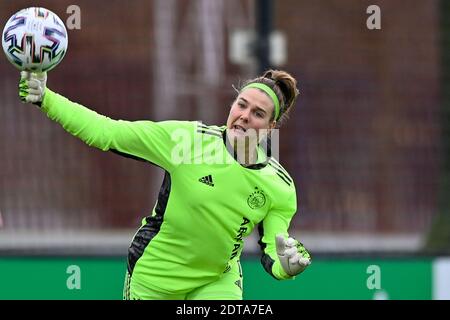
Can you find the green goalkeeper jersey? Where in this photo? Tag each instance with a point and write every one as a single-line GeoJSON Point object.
{"type": "Point", "coordinates": [207, 204]}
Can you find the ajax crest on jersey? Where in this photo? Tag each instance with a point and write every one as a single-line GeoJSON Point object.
{"type": "Point", "coordinates": [35, 39]}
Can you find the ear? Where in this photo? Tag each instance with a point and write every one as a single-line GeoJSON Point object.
{"type": "Point", "coordinates": [272, 124]}
{"type": "Point", "coordinates": [271, 127]}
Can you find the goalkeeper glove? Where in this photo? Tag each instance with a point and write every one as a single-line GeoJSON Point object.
{"type": "Point", "coordinates": [32, 87]}
{"type": "Point", "coordinates": [294, 258]}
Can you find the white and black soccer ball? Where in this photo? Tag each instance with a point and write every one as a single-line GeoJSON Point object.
{"type": "Point", "coordinates": [35, 39]}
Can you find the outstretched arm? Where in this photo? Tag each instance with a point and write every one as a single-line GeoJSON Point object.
{"type": "Point", "coordinates": [146, 140]}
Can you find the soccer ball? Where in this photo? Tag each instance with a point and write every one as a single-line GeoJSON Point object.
{"type": "Point", "coordinates": [35, 39]}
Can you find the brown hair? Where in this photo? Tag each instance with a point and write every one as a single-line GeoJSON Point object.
{"type": "Point", "coordinates": [285, 87]}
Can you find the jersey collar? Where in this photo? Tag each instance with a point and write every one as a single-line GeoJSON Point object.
{"type": "Point", "coordinates": [261, 153]}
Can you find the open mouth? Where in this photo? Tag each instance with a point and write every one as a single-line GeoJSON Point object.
{"type": "Point", "coordinates": [239, 128]}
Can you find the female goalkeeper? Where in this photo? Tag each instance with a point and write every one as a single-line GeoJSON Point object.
{"type": "Point", "coordinates": [220, 182]}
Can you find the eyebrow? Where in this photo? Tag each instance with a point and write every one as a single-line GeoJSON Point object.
{"type": "Point", "coordinates": [259, 108]}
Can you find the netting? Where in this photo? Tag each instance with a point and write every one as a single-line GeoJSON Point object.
{"type": "Point", "coordinates": [363, 144]}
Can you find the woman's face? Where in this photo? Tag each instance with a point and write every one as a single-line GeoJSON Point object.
{"type": "Point", "coordinates": [252, 109]}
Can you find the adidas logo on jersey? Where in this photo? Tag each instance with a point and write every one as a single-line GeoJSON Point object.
{"type": "Point", "coordinates": [207, 180]}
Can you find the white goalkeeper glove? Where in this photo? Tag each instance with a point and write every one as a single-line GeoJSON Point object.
{"type": "Point", "coordinates": [32, 87]}
{"type": "Point", "coordinates": [294, 258]}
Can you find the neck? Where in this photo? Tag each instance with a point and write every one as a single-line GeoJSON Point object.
{"type": "Point", "coordinates": [246, 156]}
{"type": "Point", "coordinates": [244, 150]}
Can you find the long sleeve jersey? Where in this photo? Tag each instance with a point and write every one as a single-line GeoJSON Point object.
{"type": "Point", "coordinates": [208, 202]}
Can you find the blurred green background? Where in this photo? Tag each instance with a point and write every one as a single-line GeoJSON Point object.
{"type": "Point", "coordinates": [52, 278]}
